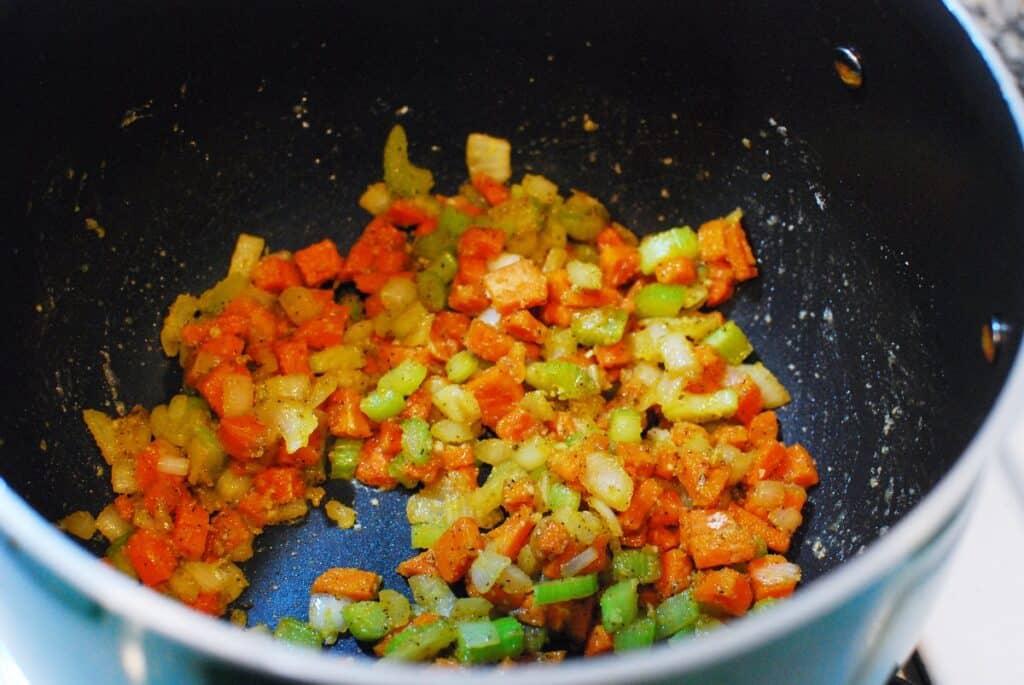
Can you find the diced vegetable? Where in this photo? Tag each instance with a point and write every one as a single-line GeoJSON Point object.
{"type": "Point", "coordinates": [552, 591]}
{"type": "Point", "coordinates": [730, 342]}
{"type": "Point", "coordinates": [658, 247]}
{"type": "Point", "coordinates": [619, 605]}
{"type": "Point", "coordinates": [297, 632]}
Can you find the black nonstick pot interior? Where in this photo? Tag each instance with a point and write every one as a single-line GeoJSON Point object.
{"type": "Point", "coordinates": [887, 219]}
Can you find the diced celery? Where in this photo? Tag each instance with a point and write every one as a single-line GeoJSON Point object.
{"type": "Point", "coordinates": [366, 620]}
{"type": "Point", "coordinates": [344, 458]}
{"type": "Point", "coordinates": [419, 643]}
{"type": "Point", "coordinates": [461, 366]}
{"type": "Point", "coordinates": [534, 638]}
{"type": "Point", "coordinates": [471, 609]}
{"type": "Point", "coordinates": [444, 266]}
{"type": "Point", "coordinates": [581, 217]}
{"type": "Point", "coordinates": [565, 379]}
{"type": "Point", "coordinates": [702, 408]}
{"type": "Point", "coordinates": [432, 291]}
{"type": "Point", "coordinates": [762, 604]}
{"type": "Point", "coordinates": [665, 299]}
{"type": "Point", "coordinates": [424, 535]}
{"type": "Point", "coordinates": [376, 198]}
{"type": "Point", "coordinates": [564, 589]}
{"type": "Point", "coordinates": [452, 221]}
{"type": "Point", "coordinates": [382, 404]}
{"type": "Point", "coordinates": [676, 613]}
{"type": "Point", "coordinates": [625, 425]}
{"type": "Point", "coordinates": [416, 440]}
{"type": "Point", "coordinates": [619, 605]}
{"type": "Point", "coordinates": [636, 635]}
{"type": "Point", "coordinates": [540, 188]}
{"type": "Point", "coordinates": [604, 326]}
{"type": "Point", "coordinates": [477, 642]}
{"type": "Point", "coordinates": [561, 496]}
{"type": "Point", "coordinates": [404, 379]}
{"type": "Point", "coordinates": [641, 564]}
{"type": "Point", "coordinates": [730, 342]}
{"type": "Point", "coordinates": [675, 242]}
{"type": "Point", "coordinates": [297, 632]}
{"type": "Point", "coordinates": [248, 250]}
{"type": "Point", "coordinates": [402, 176]}
{"type": "Point", "coordinates": [396, 608]}
{"type": "Point", "coordinates": [206, 456]}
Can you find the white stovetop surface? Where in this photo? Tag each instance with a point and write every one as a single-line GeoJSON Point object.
{"type": "Point", "coordinates": [975, 635]}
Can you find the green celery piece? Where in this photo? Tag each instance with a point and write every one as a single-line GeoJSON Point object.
{"type": "Point", "coordinates": [566, 380]}
{"type": "Point", "coordinates": [424, 535]}
{"type": "Point", "coordinates": [641, 564]}
{"type": "Point", "coordinates": [478, 642]}
{"type": "Point", "coordinates": [730, 342]}
{"type": "Point", "coordinates": [297, 632]}
{"type": "Point", "coordinates": [675, 242]}
{"type": "Point", "coordinates": [356, 312]}
{"type": "Point", "coordinates": [561, 496]}
{"type": "Point", "coordinates": [344, 458]}
{"type": "Point", "coordinates": [402, 176]}
{"type": "Point", "coordinates": [382, 404]}
{"type": "Point", "coordinates": [625, 425]}
{"type": "Point", "coordinates": [471, 609]}
{"type": "Point", "coordinates": [663, 299]}
{"type": "Point", "coordinates": [763, 604]}
{"type": "Point", "coordinates": [564, 589]}
{"type": "Point", "coordinates": [581, 216]}
{"type": "Point", "coordinates": [444, 266]}
{"type": "Point", "coordinates": [453, 222]}
{"type": "Point", "coordinates": [702, 408]}
{"type": "Point", "coordinates": [118, 557]}
{"type": "Point", "coordinates": [461, 366]}
{"type": "Point", "coordinates": [511, 635]}
{"type": "Point", "coordinates": [417, 441]}
{"type": "Point", "coordinates": [619, 605]}
{"type": "Point", "coordinates": [396, 469]}
{"type": "Point", "coordinates": [396, 608]}
{"type": "Point", "coordinates": [435, 244]}
{"type": "Point", "coordinates": [534, 639]}
{"type": "Point", "coordinates": [637, 635]}
{"type": "Point", "coordinates": [604, 326]}
{"type": "Point", "coordinates": [676, 613]}
{"type": "Point", "coordinates": [404, 379]}
{"type": "Point", "coordinates": [432, 291]}
{"type": "Point", "coordinates": [419, 643]}
{"type": "Point", "coordinates": [366, 620]}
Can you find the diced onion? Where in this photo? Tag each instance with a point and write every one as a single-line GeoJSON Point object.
{"type": "Point", "coordinates": [248, 250]}
{"type": "Point", "coordinates": [777, 574]}
{"type": "Point", "coordinates": [773, 393]}
{"type": "Point", "coordinates": [490, 316]}
{"type": "Point", "coordinates": [294, 386]}
{"type": "Point", "coordinates": [514, 580]}
{"type": "Point", "coordinates": [787, 519]}
{"type": "Point", "coordinates": [326, 615]}
{"type": "Point", "coordinates": [110, 523]}
{"type": "Point", "coordinates": [532, 454]}
{"type": "Point", "coordinates": [489, 155]}
{"type": "Point", "coordinates": [579, 562]}
{"type": "Point", "coordinates": [605, 478]}
{"type": "Point", "coordinates": [81, 524]}
{"type": "Point", "coordinates": [457, 403]}
{"type": "Point", "coordinates": [493, 451]}
{"type": "Point", "coordinates": [607, 515]}
{"type": "Point", "coordinates": [504, 259]}
{"type": "Point", "coordinates": [172, 466]}
{"type": "Point", "coordinates": [292, 419]}
{"type": "Point", "coordinates": [486, 569]}
{"type": "Point", "coordinates": [678, 356]}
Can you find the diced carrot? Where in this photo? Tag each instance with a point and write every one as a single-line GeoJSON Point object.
{"type": "Point", "coordinates": [763, 427]}
{"type": "Point", "coordinates": [517, 494]}
{"type": "Point", "coordinates": [423, 564]}
{"type": "Point", "coordinates": [425, 227]}
{"type": "Point", "coordinates": [703, 483]}
{"type": "Point", "coordinates": [226, 347]}
{"type": "Point", "coordinates": [229, 537]}
{"type": "Point", "coordinates": [210, 603]}
{"type": "Point", "coordinates": [326, 330]}
{"type": "Point", "coordinates": [798, 467]}
{"type": "Point", "coordinates": [795, 497]}
{"type": "Point", "coordinates": [678, 270]}
{"type": "Point", "coordinates": [667, 509]}
{"type": "Point", "coordinates": [712, 370]}
{"type": "Point", "coordinates": [123, 505]}
{"type": "Point", "coordinates": [777, 540]}
{"type": "Point", "coordinates": [446, 334]}
{"type": "Point", "coordinates": [455, 550]}
{"type": "Point", "coordinates": [676, 568]}
{"type": "Point", "coordinates": [308, 455]}
{"type": "Point", "coordinates": [552, 538]}
{"type": "Point", "coordinates": [243, 437]}
{"type": "Point", "coordinates": [598, 642]}
{"type": "Point", "coordinates": [378, 240]}
{"type": "Point", "coordinates": [418, 404]}
{"type": "Point", "coordinates": [151, 555]}
{"type": "Point", "coordinates": [292, 356]}
{"type": "Point", "coordinates": [281, 483]}
{"type": "Point", "coordinates": [274, 274]}
{"type": "Point", "coordinates": [319, 263]}
{"type": "Point", "coordinates": [720, 283]}
{"type": "Point", "coordinates": [511, 536]}
{"type": "Point", "coordinates": [406, 212]}
{"type": "Point", "coordinates": [773, 576]}
{"type": "Point", "coordinates": [619, 261]}
{"type": "Point", "coordinates": [613, 356]}
{"type": "Point", "coordinates": [485, 243]}
{"type": "Point", "coordinates": [711, 240]}
{"type": "Point", "coordinates": [768, 458]}
{"type": "Point", "coordinates": [714, 538]}
{"type": "Point", "coordinates": [517, 425]}
{"type": "Point", "coordinates": [738, 253]}
{"type": "Point", "coordinates": [211, 385]}
{"type": "Point", "coordinates": [750, 403]}
{"type": "Point", "coordinates": [255, 508]}
{"type": "Point", "coordinates": [663, 538]}
{"type": "Point", "coordinates": [145, 464]}
{"type": "Point", "coordinates": [725, 590]}
{"type": "Point", "coordinates": [468, 298]}
{"type": "Point", "coordinates": [496, 392]}
{"type": "Point", "coordinates": [519, 285]}
{"type": "Point", "coordinates": [493, 191]}
{"type": "Point", "coordinates": [486, 341]}
{"type": "Point", "coordinates": [344, 417]}
{"type": "Point", "coordinates": [350, 583]}
{"type": "Point", "coordinates": [644, 498]}
{"type": "Point", "coordinates": [522, 325]}
{"type": "Point", "coordinates": [373, 465]}
{"type": "Point", "coordinates": [164, 494]}
{"type": "Point", "coordinates": [191, 527]}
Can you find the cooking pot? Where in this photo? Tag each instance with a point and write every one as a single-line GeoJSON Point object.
{"type": "Point", "coordinates": [886, 210]}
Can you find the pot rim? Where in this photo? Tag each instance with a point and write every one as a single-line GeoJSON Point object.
{"type": "Point", "coordinates": [142, 608]}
